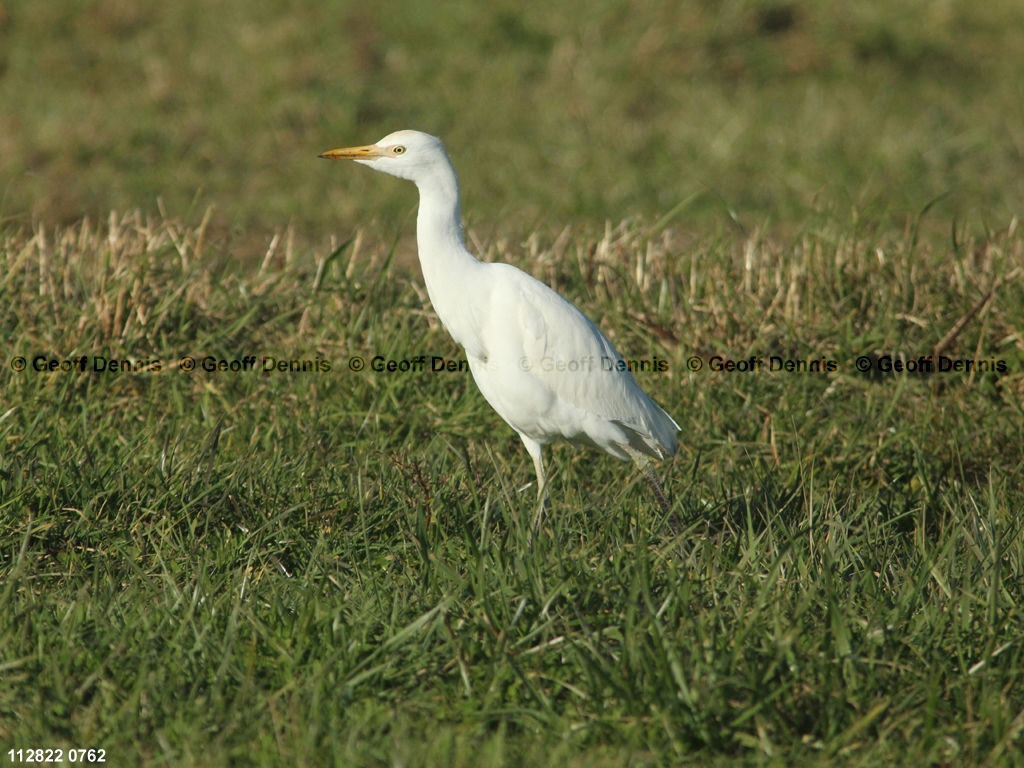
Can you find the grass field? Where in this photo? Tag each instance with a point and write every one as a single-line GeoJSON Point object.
{"type": "Point", "coordinates": [334, 567]}
{"type": "Point", "coordinates": [553, 112]}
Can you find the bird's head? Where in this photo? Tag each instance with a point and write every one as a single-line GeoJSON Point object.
{"type": "Point", "coordinates": [406, 154]}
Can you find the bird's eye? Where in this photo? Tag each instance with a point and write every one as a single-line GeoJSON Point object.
{"type": "Point", "coordinates": [398, 150]}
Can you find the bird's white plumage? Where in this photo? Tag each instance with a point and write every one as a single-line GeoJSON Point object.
{"type": "Point", "coordinates": [539, 361]}
{"type": "Point", "coordinates": [547, 373]}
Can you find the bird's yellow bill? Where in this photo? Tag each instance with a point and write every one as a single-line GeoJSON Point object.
{"type": "Point", "coordinates": [369, 152]}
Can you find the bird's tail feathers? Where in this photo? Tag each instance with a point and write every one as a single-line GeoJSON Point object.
{"type": "Point", "coordinates": [659, 443]}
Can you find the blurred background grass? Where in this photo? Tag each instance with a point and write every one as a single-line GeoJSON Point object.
{"type": "Point", "coordinates": [551, 112]}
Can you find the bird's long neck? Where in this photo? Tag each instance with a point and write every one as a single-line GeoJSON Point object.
{"type": "Point", "coordinates": [448, 268]}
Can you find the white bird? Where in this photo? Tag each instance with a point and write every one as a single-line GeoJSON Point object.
{"type": "Point", "coordinates": [545, 368]}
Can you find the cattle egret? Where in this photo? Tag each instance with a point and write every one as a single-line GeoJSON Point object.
{"type": "Point", "coordinates": [545, 368]}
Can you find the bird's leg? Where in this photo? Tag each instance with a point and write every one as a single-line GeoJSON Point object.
{"type": "Point", "coordinates": [536, 451]}
{"type": "Point", "coordinates": [542, 495]}
{"type": "Point", "coordinates": [644, 464]}
{"type": "Point", "coordinates": [542, 480]}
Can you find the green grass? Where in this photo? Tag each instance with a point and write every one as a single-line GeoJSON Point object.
{"type": "Point", "coordinates": [205, 569]}
{"type": "Point", "coordinates": [552, 112]}
{"type": "Point", "coordinates": [335, 568]}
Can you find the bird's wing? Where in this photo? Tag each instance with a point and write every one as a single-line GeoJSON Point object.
{"type": "Point", "coordinates": [573, 362]}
